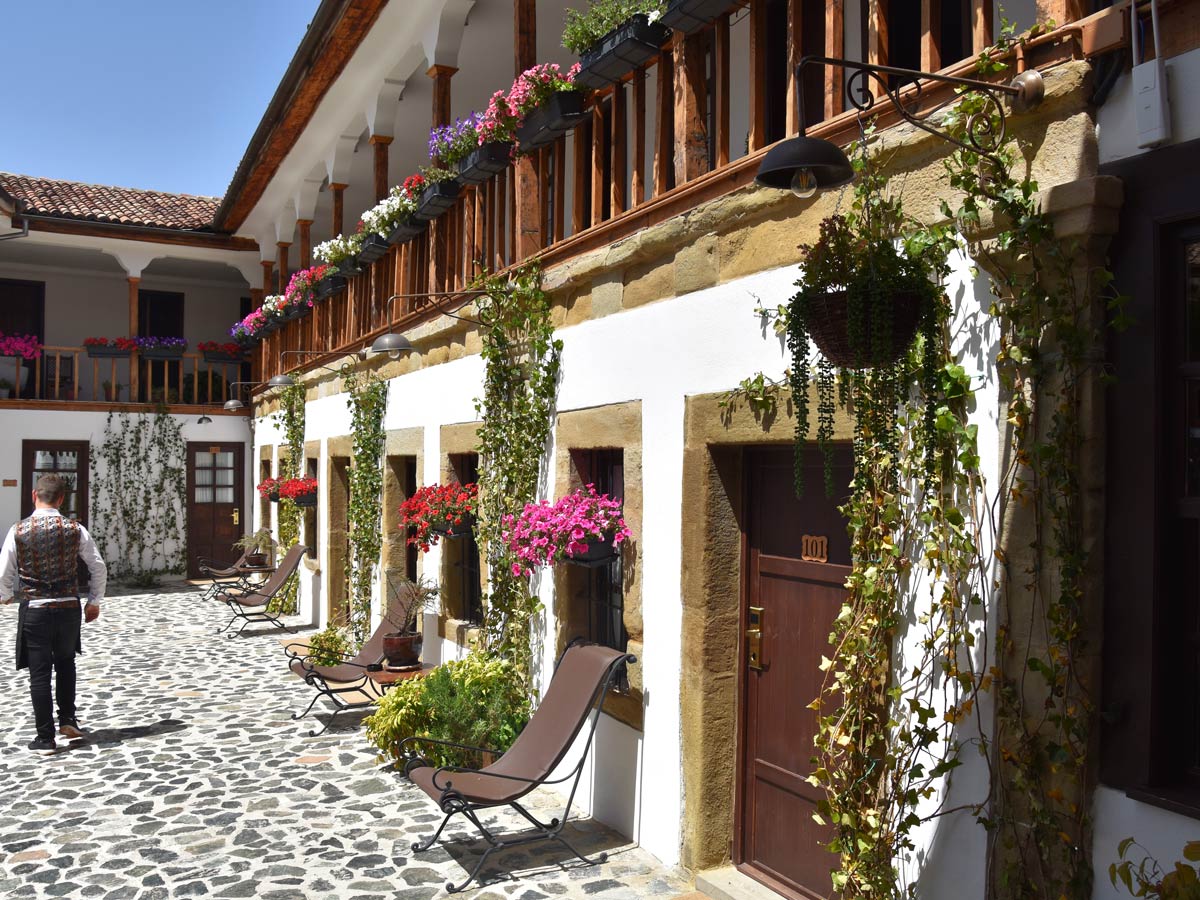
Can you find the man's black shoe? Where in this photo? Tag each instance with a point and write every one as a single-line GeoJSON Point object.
{"type": "Point", "coordinates": [42, 745]}
{"type": "Point", "coordinates": [71, 730]}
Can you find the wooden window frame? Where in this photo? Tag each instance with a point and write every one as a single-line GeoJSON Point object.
{"type": "Point", "coordinates": [82, 469]}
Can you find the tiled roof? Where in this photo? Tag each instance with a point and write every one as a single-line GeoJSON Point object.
{"type": "Point", "coordinates": [111, 205]}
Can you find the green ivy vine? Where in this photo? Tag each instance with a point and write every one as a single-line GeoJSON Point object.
{"type": "Point", "coordinates": [521, 358]}
{"type": "Point", "coordinates": [367, 399]}
{"type": "Point", "coordinates": [139, 496]}
{"type": "Point", "coordinates": [291, 407]}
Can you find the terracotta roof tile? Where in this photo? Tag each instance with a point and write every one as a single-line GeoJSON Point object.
{"type": "Point", "coordinates": [112, 205]}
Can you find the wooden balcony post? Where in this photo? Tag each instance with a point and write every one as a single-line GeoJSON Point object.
{"type": "Point", "coordinates": [440, 232]}
{"type": "Point", "coordinates": [691, 105]}
{"type": "Point", "coordinates": [528, 238]}
{"type": "Point", "coordinates": [664, 125]}
{"type": "Point", "coordinates": [380, 142]}
{"type": "Point", "coordinates": [268, 265]}
{"type": "Point", "coordinates": [758, 74]}
{"type": "Point", "coordinates": [721, 83]}
{"type": "Point", "coordinates": [835, 43]}
{"type": "Point", "coordinates": [1059, 11]}
{"type": "Point", "coordinates": [283, 264]}
{"type": "Point", "coordinates": [134, 318]}
{"type": "Point", "coordinates": [637, 185]}
{"type": "Point", "coordinates": [305, 242]}
{"type": "Point", "coordinates": [982, 14]}
{"type": "Point", "coordinates": [338, 190]}
{"type": "Point", "coordinates": [877, 32]}
{"type": "Point", "coordinates": [616, 196]}
{"type": "Point", "coordinates": [597, 161]}
{"type": "Point", "coordinates": [795, 23]}
{"type": "Point", "coordinates": [580, 158]}
{"type": "Point", "coordinates": [931, 29]}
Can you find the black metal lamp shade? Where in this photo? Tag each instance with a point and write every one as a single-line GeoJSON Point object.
{"type": "Point", "coordinates": [234, 405]}
{"type": "Point", "coordinates": [281, 381]}
{"type": "Point", "coordinates": [392, 344]}
{"type": "Point", "coordinates": [826, 161]}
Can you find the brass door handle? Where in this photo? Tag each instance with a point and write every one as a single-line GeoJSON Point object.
{"type": "Point", "coordinates": [237, 516]}
{"type": "Point", "coordinates": [754, 621]}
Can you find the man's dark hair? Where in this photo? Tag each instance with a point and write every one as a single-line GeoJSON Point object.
{"type": "Point", "coordinates": [50, 489]}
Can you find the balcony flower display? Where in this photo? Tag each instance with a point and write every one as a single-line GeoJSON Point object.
{"type": "Point", "coordinates": [102, 346]}
{"type": "Point", "coordinates": [547, 103]}
{"type": "Point", "coordinates": [438, 510]}
{"type": "Point", "coordinates": [302, 288]}
{"type": "Point", "coordinates": [441, 187]}
{"type": "Point", "coordinates": [581, 526]}
{"type": "Point", "coordinates": [26, 346]}
{"type": "Point", "coordinates": [337, 250]}
{"type": "Point", "coordinates": [451, 143]}
{"type": "Point", "coordinates": [397, 206]}
{"type": "Point", "coordinates": [250, 329]}
{"type": "Point", "coordinates": [154, 347]}
{"type": "Point", "coordinates": [268, 489]}
{"type": "Point", "coordinates": [460, 146]}
{"type": "Point", "coordinates": [214, 352]}
{"type": "Point", "coordinates": [302, 491]}
{"type": "Point", "coordinates": [614, 37]}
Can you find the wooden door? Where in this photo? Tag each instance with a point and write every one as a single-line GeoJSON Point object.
{"type": "Point", "coordinates": [214, 508]}
{"type": "Point", "coordinates": [796, 555]}
{"type": "Point", "coordinates": [68, 459]}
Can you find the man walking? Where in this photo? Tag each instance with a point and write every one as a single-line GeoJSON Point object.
{"type": "Point", "coordinates": [39, 567]}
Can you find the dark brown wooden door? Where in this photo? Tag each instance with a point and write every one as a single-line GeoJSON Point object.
{"type": "Point", "coordinates": [797, 557]}
{"type": "Point", "coordinates": [68, 459]}
{"type": "Point", "coordinates": [215, 495]}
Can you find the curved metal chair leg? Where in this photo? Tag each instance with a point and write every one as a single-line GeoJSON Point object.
{"type": "Point", "coordinates": [602, 857]}
{"type": "Point", "coordinates": [422, 846]}
{"type": "Point", "coordinates": [542, 826]}
{"type": "Point", "coordinates": [308, 710]}
{"type": "Point", "coordinates": [451, 888]}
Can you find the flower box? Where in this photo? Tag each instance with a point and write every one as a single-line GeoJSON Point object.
{"type": "Point", "coordinates": [373, 248]}
{"type": "Point", "coordinates": [98, 352]}
{"type": "Point", "coordinates": [294, 312]}
{"type": "Point", "coordinates": [349, 266]}
{"type": "Point", "coordinates": [447, 529]}
{"type": "Point", "coordinates": [220, 356]}
{"type": "Point", "coordinates": [437, 199]}
{"type": "Point", "coordinates": [484, 162]}
{"type": "Point", "coordinates": [622, 50]}
{"type": "Point", "coordinates": [161, 352]}
{"type": "Point", "coordinates": [599, 553]}
{"type": "Point", "coordinates": [306, 499]}
{"type": "Point", "coordinates": [691, 15]}
{"type": "Point", "coordinates": [329, 285]}
{"type": "Point", "coordinates": [407, 230]}
{"type": "Point", "coordinates": [558, 115]}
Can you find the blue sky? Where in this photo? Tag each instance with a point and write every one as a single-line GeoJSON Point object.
{"type": "Point", "coordinates": [160, 94]}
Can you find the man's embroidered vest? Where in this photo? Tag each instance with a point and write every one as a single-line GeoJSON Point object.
{"type": "Point", "coordinates": [47, 558]}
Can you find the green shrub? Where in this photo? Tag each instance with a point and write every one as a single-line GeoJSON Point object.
{"type": "Point", "coordinates": [328, 647]}
{"type": "Point", "coordinates": [478, 701]}
{"type": "Point", "coordinates": [584, 29]}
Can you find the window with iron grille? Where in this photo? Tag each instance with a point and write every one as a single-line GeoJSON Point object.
{"type": "Point", "coordinates": [462, 553]}
{"type": "Point", "coordinates": [603, 587]}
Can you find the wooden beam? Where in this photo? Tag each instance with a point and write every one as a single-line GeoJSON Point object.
{"type": "Point", "coordinates": [380, 142]}
{"type": "Point", "coordinates": [174, 237]}
{"type": "Point", "coordinates": [440, 234]}
{"type": "Point", "coordinates": [877, 32]}
{"type": "Point", "coordinates": [134, 319]}
{"type": "Point", "coordinates": [637, 183]}
{"type": "Point", "coordinates": [721, 57]}
{"type": "Point", "coordinates": [835, 43]}
{"type": "Point", "coordinates": [795, 19]}
{"type": "Point", "coordinates": [305, 226]}
{"type": "Point", "coordinates": [981, 22]}
{"type": "Point", "coordinates": [597, 161]}
{"type": "Point", "coordinates": [581, 161]}
{"type": "Point", "coordinates": [617, 141]}
{"type": "Point", "coordinates": [664, 125]}
{"type": "Point", "coordinates": [560, 188]}
{"type": "Point", "coordinates": [758, 74]}
{"type": "Point", "coordinates": [691, 106]}
{"type": "Point", "coordinates": [524, 35]}
{"type": "Point", "coordinates": [283, 265]}
{"type": "Point", "coordinates": [338, 190]}
{"type": "Point", "coordinates": [267, 266]}
{"type": "Point", "coordinates": [931, 32]}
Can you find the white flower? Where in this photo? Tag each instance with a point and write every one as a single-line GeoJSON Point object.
{"type": "Point", "coordinates": [334, 250]}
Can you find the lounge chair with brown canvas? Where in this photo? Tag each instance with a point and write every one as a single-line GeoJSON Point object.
{"type": "Point", "coordinates": [348, 684]}
{"type": "Point", "coordinates": [224, 577]}
{"type": "Point", "coordinates": [581, 681]}
{"type": "Point", "coordinates": [253, 606]}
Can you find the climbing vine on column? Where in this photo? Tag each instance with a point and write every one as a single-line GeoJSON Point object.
{"type": "Point", "coordinates": [522, 357]}
{"type": "Point", "coordinates": [291, 406]}
{"type": "Point", "coordinates": [367, 398]}
{"type": "Point", "coordinates": [138, 496]}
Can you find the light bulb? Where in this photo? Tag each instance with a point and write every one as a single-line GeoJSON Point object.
{"type": "Point", "coordinates": [393, 354]}
{"type": "Point", "coordinates": [804, 183]}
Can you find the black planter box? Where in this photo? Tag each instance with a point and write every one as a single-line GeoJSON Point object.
{"type": "Point", "coordinates": [107, 353]}
{"type": "Point", "coordinates": [271, 327]}
{"type": "Point", "coordinates": [217, 356]}
{"type": "Point", "coordinates": [437, 199]}
{"type": "Point", "coordinates": [407, 230]}
{"type": "Point", "coordinates": [690, 15]}
{"type": "Point", "coordinates": [446, 529]}
{"type": "Point", "coordinates": [600, 552]}
{"type": "Point", "coordinates": [349, 266]}
{"type": "Point", "coordinates": [306, 499]}
{"type": "Point", "coordinates": [621, 51]}
{"type": "Point", "coordinates": [373, 248]}
{"type": "Point", "coordinates": [328, 285]}
{"type": "Point", "coordinates": [484, 162]}
{"type": "Point", "coordinates": [161, 353]}
{"type": "Point", "coordinates": [245, 340]}
{"type": "Point", "coordinates": [558, 115]}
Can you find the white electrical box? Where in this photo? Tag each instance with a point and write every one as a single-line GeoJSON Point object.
{"type": "Point", "coordinates": [1152, 111]}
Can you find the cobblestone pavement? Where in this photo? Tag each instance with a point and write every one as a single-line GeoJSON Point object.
{"type": "Point", "coordinates": [197, 783]}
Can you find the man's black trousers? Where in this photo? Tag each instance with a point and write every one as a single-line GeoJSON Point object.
{"type": "Point", "coordinates": [51, 636]}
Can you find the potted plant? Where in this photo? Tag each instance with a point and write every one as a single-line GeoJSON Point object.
{"type": "Point", "coordinates": [402, 645]}
{"type": "Point", "coordinates": [301, 491]}
{"type": "Point", "coordinates": [112, 392]}
{"type": "Point", "coordinates": [268, 489]}
{"type": "Point", "coordinates": [341, 252]}
{"type": "Point", "coordinates": [257, 546]}
{"type": "Point", "coordinates": [102, 347]}
{"type": "Point", "coordinates": [692, 15]}
{"type": "Point", "coordinates": [439, 510]}
{"type": "Point", "coordinates": [152, 347]}
{"type": "Point", "coordinates": [583, 527]}
{"type": "Point", "coordinates": [220, 353]}
{"type": "Point", "coordinates": [460, 146]}
{"type": "Point", "coordinates": [5, 388]}
{"type": "Point", "coordinates": [614, 37]}
{"type": "Point", "coordinates": [437, 197]}
{"type": "Point", "coordinates": [547, 103]}
{"type": "Point", "coordinates": [302, 289]}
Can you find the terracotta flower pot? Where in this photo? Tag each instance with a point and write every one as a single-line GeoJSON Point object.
{"type": "Point", "coordinates": [256, 559]}
{"type": "Point", "coordinates": [403, 649]}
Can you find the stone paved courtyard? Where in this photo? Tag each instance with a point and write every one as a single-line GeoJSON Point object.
{"type": "Point", "coordinates": [197, 783]}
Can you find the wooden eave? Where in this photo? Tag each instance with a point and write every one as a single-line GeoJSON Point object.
{"type": "Point", "coordinates": [211, 240]}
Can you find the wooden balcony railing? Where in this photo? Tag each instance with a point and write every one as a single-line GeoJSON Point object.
{"type": "Point", "coordinates": [68, 374]}
{"type": "Point", "coordinates": [642, 156]}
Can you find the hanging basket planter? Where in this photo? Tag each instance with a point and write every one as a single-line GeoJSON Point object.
{"type": "Point", "coordinates": [450, 530]}
{"type": "Point", "coordinates": [484, 162]}
{"type": "Point", "coordinates": [692, 15]}
{"type": "Point", "coordinates": [373, 248]}
{"type": "Point", "coordinates": [407, 230]}
{"type": "Point", "coordinates": [328, 286]}
{"type": "Point", "coordinates": [309, 500]}
{"type": "Point", "coordinates": [558, 115]}
{"type": "Point", "coordinates": [622, 50]}
{"type": "Point", "coordinates": [599, 553]}
{"type": "Point", "coordinates": [437, 199]}
{"type": "Point", "coordinates": [883, 339]}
